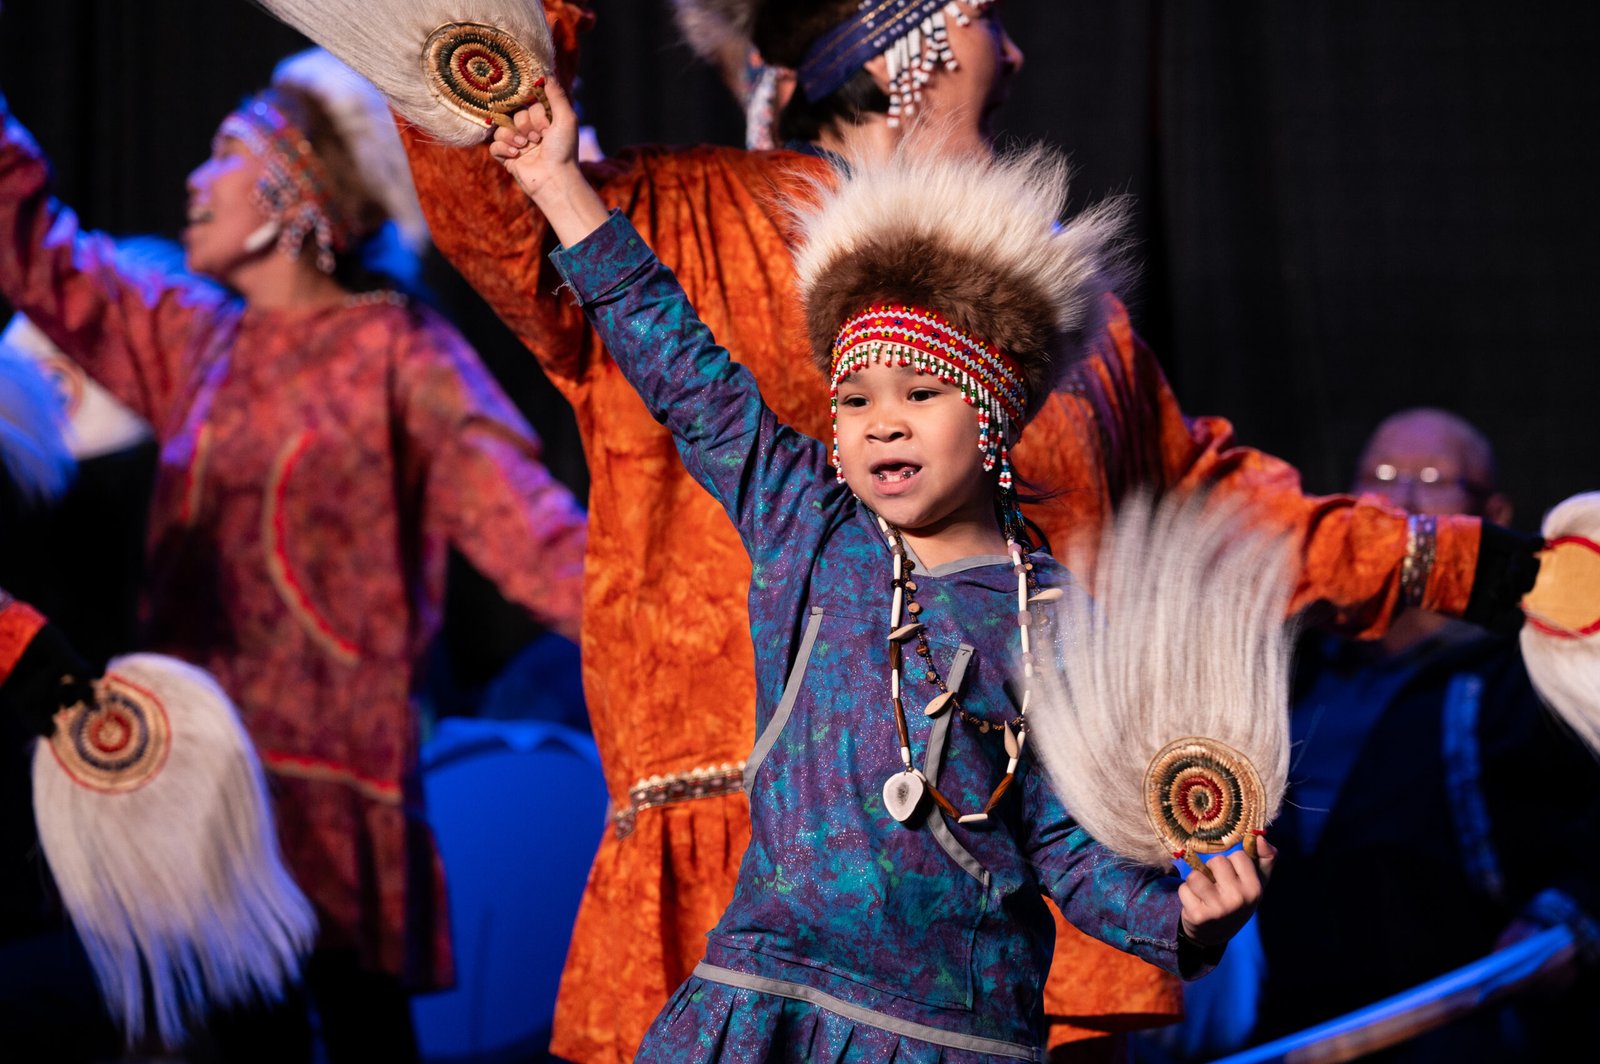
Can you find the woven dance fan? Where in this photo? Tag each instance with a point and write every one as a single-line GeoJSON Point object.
{"type": "Point", "coordinates": [452, 67]}
{"type": "Point", "coordinates": [153, 815]}
{"type": "Point", "coordinates": [1561, 640]}
{"type": "Point", "coordinates": [1163, 722]}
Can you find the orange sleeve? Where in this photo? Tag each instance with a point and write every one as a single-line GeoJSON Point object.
{"type": "Point", "coordinates": [1118, 409]}
{"type": "Point", "coordinates": [488, 230]}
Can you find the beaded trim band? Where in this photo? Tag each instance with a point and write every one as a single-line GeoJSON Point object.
{"type": "Point", "coordinates": [895, 335]}
{"type": "Point", "coordinates": [706, 781]}
{"type": "Point", "coordinates": [913, 35]}
{"type": "Point", "coordinates": [295, 190]}
{"type": "Point", "coordinates": [1422, 532]}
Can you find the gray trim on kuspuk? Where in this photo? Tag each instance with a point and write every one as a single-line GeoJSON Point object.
{"type": "Point", "coordinates": [860, 1014]}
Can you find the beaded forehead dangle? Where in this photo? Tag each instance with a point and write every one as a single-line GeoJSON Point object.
{"type": "Point", "coordinates": [897, 335]}
{"type": "Point", "coordinates": [295, 190]}
{"type": "Point", "coordinates": [913, 36]}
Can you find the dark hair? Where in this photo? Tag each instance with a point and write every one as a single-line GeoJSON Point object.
{"type": "Point", "coordinates": [806, 121]}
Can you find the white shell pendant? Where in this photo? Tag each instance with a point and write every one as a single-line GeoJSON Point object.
{"type": "Point", "coordinates": [902, 794]}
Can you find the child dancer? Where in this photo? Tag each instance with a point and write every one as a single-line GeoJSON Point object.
{"type": "Point", "coordinates": [889, 904]}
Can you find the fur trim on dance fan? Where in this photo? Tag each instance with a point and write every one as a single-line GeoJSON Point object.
{"type": "Point", "coordinates": [361, 115]}
{"type": "Point", "coordinates": [1561, 641]}
{"type": "Point", "coordinates": [1163, 721]}
{"type": "Point", "coordinates": [976, 239]}
{"type": "Point", "coordinates": [446, 65]}
{"type": "Point", "coordinates": [34, 450]}
{"type": "Point", "coordinates": [153, 814]}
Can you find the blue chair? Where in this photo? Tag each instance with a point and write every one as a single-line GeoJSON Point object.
{"type": "Point", "coordinates": [518, 808]}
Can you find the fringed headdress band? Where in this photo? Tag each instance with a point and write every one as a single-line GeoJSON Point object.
{"type": "Point", "coordinates": [896, 335]}
{"type": "Point", "coordinates": [295, 190]}
{"type": "Point", "coordinates": [913, 35]}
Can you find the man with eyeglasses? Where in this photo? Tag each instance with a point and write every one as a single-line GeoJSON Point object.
{"type": "Point", "coordinates": [1425, 761]}
{"type": "Point", "coordinates": [1431, 461]}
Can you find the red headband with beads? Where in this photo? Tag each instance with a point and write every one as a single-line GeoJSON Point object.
{"type": "Point", "coordinates": [893, 334]}
{"type": "Point", "coordinates": [295, 189]}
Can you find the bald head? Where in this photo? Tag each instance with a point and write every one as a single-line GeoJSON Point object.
{"type": "Point", "coordinates": [1432, 461]}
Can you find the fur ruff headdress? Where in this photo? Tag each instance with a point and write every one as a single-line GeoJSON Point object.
{"type": "Point", "coordinates": [1015, 294]}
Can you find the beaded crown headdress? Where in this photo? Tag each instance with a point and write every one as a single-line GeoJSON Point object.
{"type": "Point", "coordinates": [296, 190]}
{"type": "Point", "coordinates": [958, 267]}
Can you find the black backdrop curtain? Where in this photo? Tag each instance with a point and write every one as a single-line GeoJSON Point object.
{"type": "Point", "coordinates": [1344, 207]}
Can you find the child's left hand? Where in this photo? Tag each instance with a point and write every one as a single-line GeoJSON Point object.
{"type": "Point", "coordinates": [541, 153]}
{"type": "Point", "coordinates": [1214, 911]}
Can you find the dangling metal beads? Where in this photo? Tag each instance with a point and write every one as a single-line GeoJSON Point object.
{"type": "Point", "coordinates": [991, 381]}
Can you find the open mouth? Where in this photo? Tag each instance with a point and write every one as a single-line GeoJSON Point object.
{"type": "Point", "coordinates": [888, 472]}
{"type": "Point", "coordinates": [198, 215]}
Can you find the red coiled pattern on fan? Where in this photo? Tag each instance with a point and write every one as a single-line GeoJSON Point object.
{"type": "Point", "coordinates": [118, 743]}
{"type": "Point", "coordinates": [1203, 796]}
{"type": "Point", "coordinates": [480, 72]}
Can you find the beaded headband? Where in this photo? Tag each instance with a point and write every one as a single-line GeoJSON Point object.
{"type": "Point", "coordinates": [893, 334]}
{"type": "Point", "coordinates": [295, 190]}
{"type": "Point", "coordinates": [912, 34]}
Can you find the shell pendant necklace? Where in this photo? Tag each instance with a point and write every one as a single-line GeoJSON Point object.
{"type": "Point", "coordinates": [903, 792]}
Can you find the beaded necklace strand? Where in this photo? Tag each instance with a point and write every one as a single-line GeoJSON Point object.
{"type": "Point", "coordinates": [903, 791]}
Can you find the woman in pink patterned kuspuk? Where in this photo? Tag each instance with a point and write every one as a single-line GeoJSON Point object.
{"type": "Point", "coordinates": [323, 440]}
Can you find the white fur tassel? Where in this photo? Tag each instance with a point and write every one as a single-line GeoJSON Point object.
{"type": "Point", "coordinates": [173, 879]}
{"type": "Point", "coordinates": [383, 41]}
{"type": "Point", "coordinates": [1182, 633]}
{"type": "Point", "coordinates": [1566, 670]}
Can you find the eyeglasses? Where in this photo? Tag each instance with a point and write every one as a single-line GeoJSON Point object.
{"type": "Point", "coordinates": [1427, 482]}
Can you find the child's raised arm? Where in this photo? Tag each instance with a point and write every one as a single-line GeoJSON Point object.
{"type": "Point", "coordinates": [541, 153]}
{"type": "Point", "coordinates": [730, 441]}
